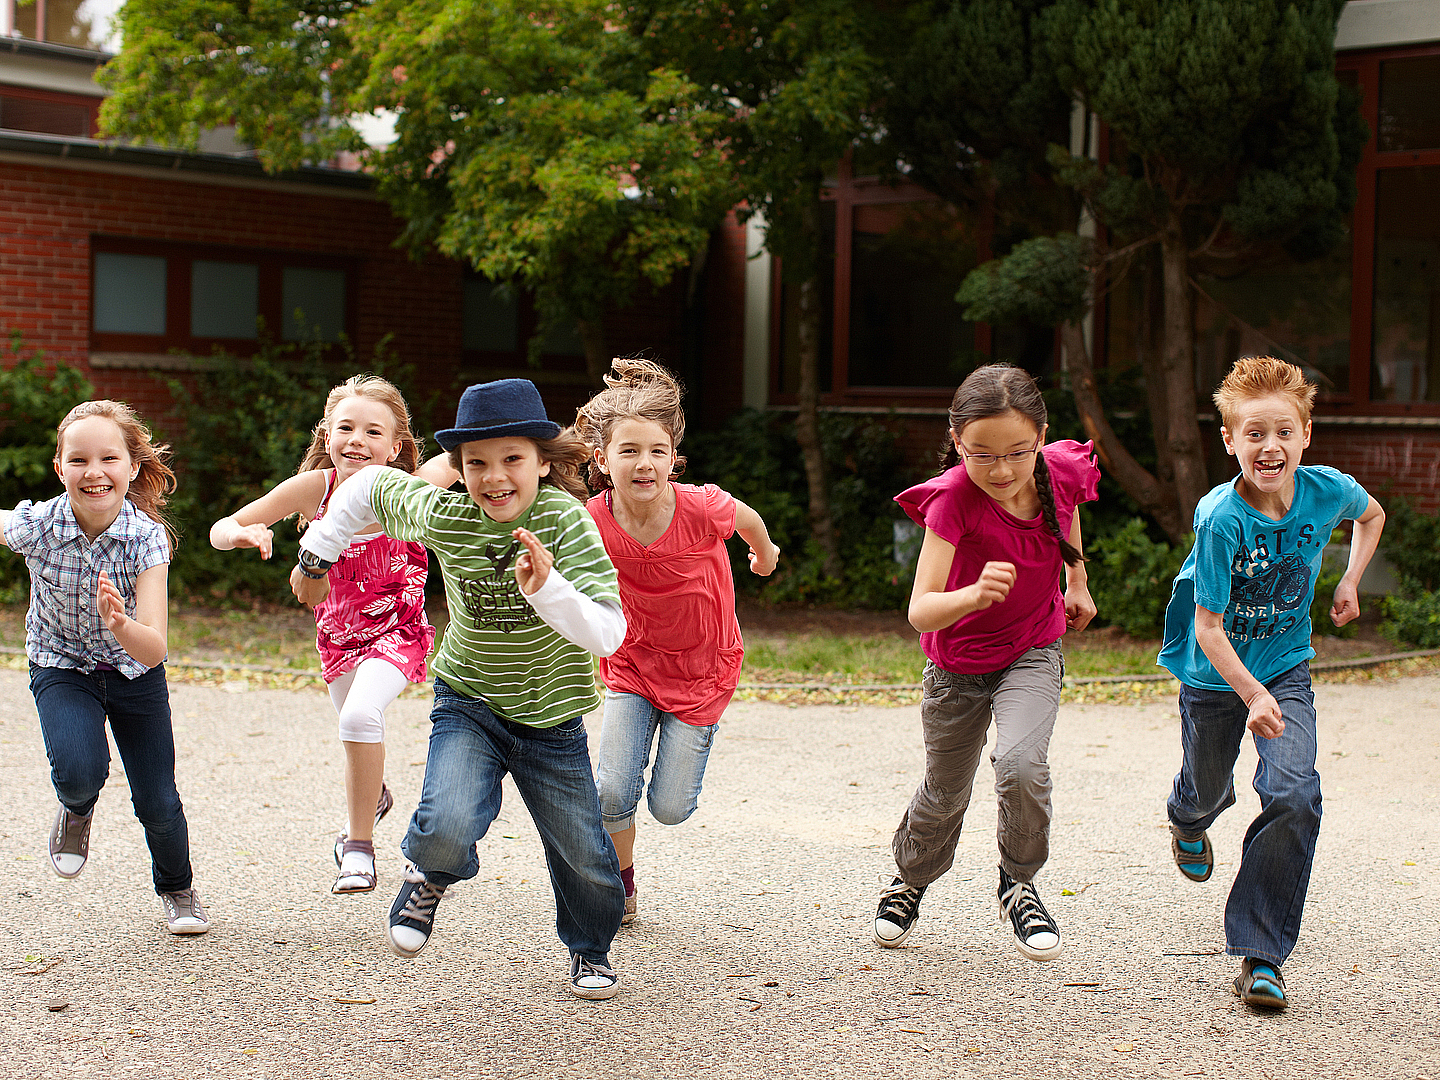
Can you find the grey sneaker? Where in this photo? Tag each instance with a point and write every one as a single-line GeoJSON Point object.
{"type": "Point", "coordinates": [184, 913]}
{"type": "Point", "coordinates": [630, 911]}
{"type": "Point", "coordinates": [591, 979]}
{"type": "Point", "coordinates": [69, 842]}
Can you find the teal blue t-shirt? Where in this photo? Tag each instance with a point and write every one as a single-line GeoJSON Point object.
{"type": "Point", "coordinates": [1259, 573]}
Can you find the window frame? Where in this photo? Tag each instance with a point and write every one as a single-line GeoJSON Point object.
{"type": "Point", "coordinates": [179, 257]}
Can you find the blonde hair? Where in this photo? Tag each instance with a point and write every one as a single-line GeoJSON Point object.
{"type": "Point", "coordinates": [154, 481]}
{"type": "Point", "coordinates": [1258, 377]}
{"type": "Point", "coordinates": [566, 454]}
{"type": "Point", "coordinates": [639, 390]}
{"type": "Point", "coordinates": [376, 389]}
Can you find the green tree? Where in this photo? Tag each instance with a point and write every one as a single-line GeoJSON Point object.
{"type": "Point", "coordinates": [1234, 136]}
{"type": "Point", "coordinates": [536, 142]}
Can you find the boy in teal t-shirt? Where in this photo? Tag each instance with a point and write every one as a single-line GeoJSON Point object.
{"type": "Point", "coordinates": [1237, 636]}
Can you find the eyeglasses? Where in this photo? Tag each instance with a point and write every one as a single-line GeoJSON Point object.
{"type": "Point", "coordinates": [988, 461]}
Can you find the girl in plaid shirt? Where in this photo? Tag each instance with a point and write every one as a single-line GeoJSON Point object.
{"type": "Point", "coordinates": [95, 634]}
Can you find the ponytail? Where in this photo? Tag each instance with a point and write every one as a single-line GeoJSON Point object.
{"type": "Point", "coordinates": [1043, 488]}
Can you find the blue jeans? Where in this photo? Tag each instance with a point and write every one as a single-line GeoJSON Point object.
{"type": "Point", "coordinates": [73, 707]}
{"type": "Point", "coordinates": [630, 727]}
{"type": "Point", "coordinates": [1262, 916]}
{"type": "Point", "coordinates": [471, 750]}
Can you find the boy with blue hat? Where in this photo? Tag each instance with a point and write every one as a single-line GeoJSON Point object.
{"type": "Point", "coordinates": [532, 595]}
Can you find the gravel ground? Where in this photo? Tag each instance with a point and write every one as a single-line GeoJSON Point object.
{"type": "Point", "coordinates": [751, 955]}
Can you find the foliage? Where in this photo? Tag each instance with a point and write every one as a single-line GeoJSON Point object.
{"type": "Point", "coordinates": [34, 398]}
{"type": "Point", "coordinates": [1044, 281]}
{"type": "Point", "coordinates": [241, 427]}
{"type": "Point", "coordinates": [1413, 620]}
{"type": "Point", "coordinates": [755, 458]}
{"type": "Point", "coordinates": [1131, 576]}
{"type": "Point", "coordinates": [1412, 545]}
{"type": "Point", "coordinates": [1325, 583]}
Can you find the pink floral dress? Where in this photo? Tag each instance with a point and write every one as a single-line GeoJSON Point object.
{"type": "Point", "coordinates": [376, 605]}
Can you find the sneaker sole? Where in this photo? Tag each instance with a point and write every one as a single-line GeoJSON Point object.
{"type": "Point", "coordinates": [184, 930]}
{"type": "Point", "coordinates": [1040, 955]}
{"type": "Point", "coordinates": [404, 954]}
{"type": "Point", "coordinates": [598, 993]}
{"type": "Point", "coordinates": [890, 943]}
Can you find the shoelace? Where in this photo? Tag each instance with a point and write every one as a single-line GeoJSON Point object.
{"type": "Point", "coordinates": [1032, 916]}
{"type": "Point", "coordinates": [588, 968]}
{"type": "Point", "coordinates": [73, 839]}
{"type": "Point", "coordinates": [420, 905]}
{"type": "Point", "coordinates": [184, 904]}
{"type": "Point", "coordinates": [900, 900]}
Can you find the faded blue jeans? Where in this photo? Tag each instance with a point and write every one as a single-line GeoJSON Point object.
{"type": "Point", "coordinates": [632, 725]}
{"type": "Point", "coordinates": [73, 708]}
{"type": "Point", "coordinates": [1262, 916]}
{"type": "Point", "coordinates": [471, 750]}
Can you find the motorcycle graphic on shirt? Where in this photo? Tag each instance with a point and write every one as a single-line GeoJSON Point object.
{"type": "Point", "coordinates": [1265, 592]}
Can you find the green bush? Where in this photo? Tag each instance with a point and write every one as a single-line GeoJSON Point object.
{"type": "Point", "coordinates": [1131, 576]}
{"type": "Point", "coordinates": [1412, 620]}
{"type": "Point", "coordinates": [241, 427]}
{"type": "Point", "coordinates": [1320, 606]}
{"type": "Point", "coordinates": [1412, 544]}
{"type": "Point", "coordinates": [755, 458]}
{"type": "Point", "coordinates": [33, 401]}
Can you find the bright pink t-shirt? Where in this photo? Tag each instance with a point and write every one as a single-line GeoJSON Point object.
{"type": "Point", "coordinates": [1034, 612]}
{"type": "Point", "coordinates": [682, 647]}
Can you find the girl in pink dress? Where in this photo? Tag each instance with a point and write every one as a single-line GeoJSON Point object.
{"type": "Point", "coordinates": [371, 629]}
{"type": "Point", "coordinates": [678, 667]}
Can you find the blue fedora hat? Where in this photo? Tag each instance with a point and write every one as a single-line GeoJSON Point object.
{"type": "Point", "coordinates": [503, 407]}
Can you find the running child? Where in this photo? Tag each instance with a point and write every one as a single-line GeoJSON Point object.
{"type": "Point", "coordinates": [1000, 520]}
{"type": "Point", "coordinates": [1237, 636]}
{"type": "Point", "coordinates": [95, 635]}
{"type": "Point", "coordinates": [371, 629]}
{"type": "Point", "coordinates": [531, 597]}
{"type": "Point", "coordinates": [672, 678]}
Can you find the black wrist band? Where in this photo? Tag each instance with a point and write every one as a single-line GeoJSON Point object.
{"type": "Point", "coordinates": [312, 566]}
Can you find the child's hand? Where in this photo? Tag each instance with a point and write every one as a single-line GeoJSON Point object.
{"type": "Point", "coordinates": [110, 604]}
{"type": "Point", "coordinates": [1347, 604]}
{"type": "Point", "coordinates": [764, 565]}
{"type": "Point", "coordinates": [309, 591]}
{"type": "Point", "coordinates": [1079, 607]}
{"type": "Point", "coordinates": [994, 584]}
{"type": "Point", "coordinates": [256, 536]}
{"type": "Point", "coordinates": [532, 568]}
{"type": "Point", "coordinates": [1265, 719]}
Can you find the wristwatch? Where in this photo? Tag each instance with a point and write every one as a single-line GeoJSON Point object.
{"type": "Point", "coordinates": [312, 566]}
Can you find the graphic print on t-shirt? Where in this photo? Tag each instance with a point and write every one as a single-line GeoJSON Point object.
{"type": "Point", "coordinates": [1266, 585]}
{"type": "Point", "coordinates": [495, 602]}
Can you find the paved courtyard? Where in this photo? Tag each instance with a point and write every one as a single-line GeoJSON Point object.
{"type": "Point", "coordinates": [751, 956]}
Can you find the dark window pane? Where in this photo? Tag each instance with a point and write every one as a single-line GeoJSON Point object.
{"type": "Point", "coordinates": [312, 304]}
{"type": "Point", "coordinates": [129, 294]}
{"type": "Point", "coordinates": [491, 317]}
{"type": "Point", "coordinates": [562, 339]}
{"type": "Point", "coordinates": [1406, 363]}
{"type": "Point", "coordinates": [907, 262]}
{"type": "Point", "coordinates": [1298, 311]}
{"type": "Point", "coordinates": [1409, 104]}
{"type": "Point", "coordinates": [790, 312]}
{"type": "Point", "coordinates": [224, 299]}
{"type": "Point", "coordinates": [50, 117]}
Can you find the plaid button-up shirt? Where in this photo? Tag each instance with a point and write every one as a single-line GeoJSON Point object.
{"type": "Point", "coordinates": [63, 627]}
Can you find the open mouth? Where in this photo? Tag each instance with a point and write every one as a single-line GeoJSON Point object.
{"type": "Point", "coordinates": [99, 489]}
{"type": "Point", "coordinates": [1269, 469]}
{"type": "Point", "coordinates": [499, 496]}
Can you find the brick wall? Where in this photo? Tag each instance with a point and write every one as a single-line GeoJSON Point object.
{"type": "Point", "coordinates": [1386, 461]}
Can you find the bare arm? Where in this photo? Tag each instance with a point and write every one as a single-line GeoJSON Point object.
{"type": "Point", "coordinates": [4, 521]}
{"type": "Point", "coordinates": [751, 527]}
{"type": "Point", "coordinates": [1264, 719]}
{"type": "Point", "coordinates": [438, 471]}
{"type": "Point", "coordinates": [144, 636]}
{"type": "Point", "coordinates": [1364, 539]}
{"type": "Point", "coordinates": [932, 606]}
{"type": "Point", "coordinates": [250, 525]}
{"type": "Point", "coordinates": [1079, 607]}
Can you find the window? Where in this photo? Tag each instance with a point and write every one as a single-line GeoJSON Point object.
{"type": "Point", "coordinates": [499, 321]}
{"type": "Point", "coordinates": [81, 23]}
{"type": "Point", "coordinates": [23, 109]}
{"type": "Point", "coordinates": [151, 298]}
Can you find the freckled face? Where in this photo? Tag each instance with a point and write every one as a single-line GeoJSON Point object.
{"type": "Point", "coordinates": [1267, 442]}
{"type": "Point", "coordinates": [638, 459]}
{"type": "Point", "coordinates": [502, 475]}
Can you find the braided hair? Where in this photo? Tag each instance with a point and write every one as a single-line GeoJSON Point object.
{"type": "Point", "coordinates": [994, 390]}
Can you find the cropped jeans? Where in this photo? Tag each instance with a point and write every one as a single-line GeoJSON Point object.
{"type": "Point", "coordinates": [632, 725]}
{"type": "Point", "coordinates": [471, 750]}
{"type": "Point", "coordinates": [73, 707]}
{"type": "Point", "coordinates": [1262, 915]}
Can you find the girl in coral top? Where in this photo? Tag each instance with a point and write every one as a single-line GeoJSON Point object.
{"type": "Point", "coordinates": [672, 678]}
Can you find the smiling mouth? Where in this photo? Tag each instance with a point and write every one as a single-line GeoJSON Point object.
{"type": "Point", "coordinates": [98, 489]}
{"type": "Point", "coordinates": [1269, 468]}
{"type": "Point", "coordinates": [499, 496]}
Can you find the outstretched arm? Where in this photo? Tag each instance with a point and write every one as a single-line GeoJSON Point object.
{"type": "Point", "coordinates": [1364, 539]}
{"type": "Point", "coordinates": [751, 527]}
{"type": "Point", "coordinates": [348, 513]}
{"type": "Point", "coordinates": [438, 471]}
{"type": "Point", "coordinates": [249, 527]}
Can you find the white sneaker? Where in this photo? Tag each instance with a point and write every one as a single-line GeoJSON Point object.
{"type": "Point", "coordinates": [184, 913]}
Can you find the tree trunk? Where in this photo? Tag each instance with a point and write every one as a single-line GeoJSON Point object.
{"type": "Point", "coordinates": [597, 356]}
{"type": "Point", "coordinates": [1149, 347]}
{"type": "Point", "coordinates": [807, 426]}
{"type": "Point", "coordinates": [1178, 363]}
{"type": "Point", "coordinates": [1152, 496]}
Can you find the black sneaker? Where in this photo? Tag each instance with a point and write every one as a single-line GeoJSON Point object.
{"type": "Point", "coordinates": [69, 842]}
{"type": "Point", "coordinates": [896, 915]}
{"type": "Point", "coordinates": [591, 980]}
{"type": "Point", "coordinates": [412, 915]}
{"type": "Point", "coordinates": [1036, 935]}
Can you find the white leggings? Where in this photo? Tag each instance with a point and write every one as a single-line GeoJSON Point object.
{"type": "Point", "coordinates": [361, 697]}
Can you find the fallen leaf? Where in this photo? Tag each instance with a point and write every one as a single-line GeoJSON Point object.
{"type": "Point", "coordinates": [354, 1001]}
{"type": "Point", "coordinates": [1080, 984]}
{"type": "Point", "coordinates": [1067, 892]}
{"type": "Point", "coordinates": [772, 982]}
{"type": "Point", "coordinates": [1124, 1048]}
